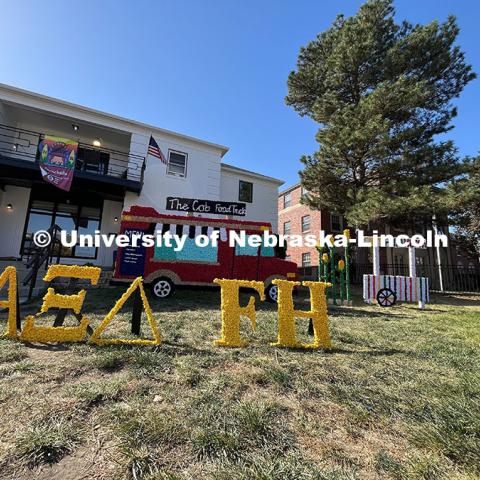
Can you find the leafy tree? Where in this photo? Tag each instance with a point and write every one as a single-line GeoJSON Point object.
{"type": "Point", "coordinates": [465, 207]}
{"type": "Point", "coordinates": [382, 92]}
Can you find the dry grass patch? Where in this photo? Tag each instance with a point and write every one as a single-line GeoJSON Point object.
{"type": "Point", "coordinates": [398, 398]}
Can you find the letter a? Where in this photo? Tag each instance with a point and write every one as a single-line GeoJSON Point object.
{"type": "Point", "coordinates": [10, 275]}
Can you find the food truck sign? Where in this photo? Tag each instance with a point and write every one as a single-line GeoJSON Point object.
{"type": "Point", "coordinates": [196, 205]}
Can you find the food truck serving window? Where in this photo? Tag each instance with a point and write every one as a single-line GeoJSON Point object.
{"type": "Point", "coordinates": [246, 250]}
{"type": "Point", "coordinates": [267, 251]}
{"type": "Point", "coordinates": [191, 252]}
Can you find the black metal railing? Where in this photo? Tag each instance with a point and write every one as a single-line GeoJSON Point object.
{"type": "Point", "coordinates": [308, 273]}
{"type": "Point", "coordinates": [23, 144]}
{"type": "Point", "coordinates": [42, 256]}
{"type": "Point", "coordinates": [18, 143]}
{"type": "Point", "coordinates": [449, 278]}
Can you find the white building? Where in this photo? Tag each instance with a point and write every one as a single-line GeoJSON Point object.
{"type": "Point", "coordinates": [112, 173]}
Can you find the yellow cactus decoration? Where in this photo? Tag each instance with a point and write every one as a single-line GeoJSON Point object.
{"type": "Point", "coordinates": [325, 258]}
{"type": "Point", "coordinates": [10, 275]}
{"type": "Point", "coordinates": [95, 338]}
{"type": "Point", "coordinates": [346, 233]}
{"type": "Point", "coordinates": [287, 313]}
{"type": "Point", "coordinates": [341, 265]}
{"type": "Point", "coordinates": [232, 311]}
{"type": "Point", "coordinates": [34, 333]}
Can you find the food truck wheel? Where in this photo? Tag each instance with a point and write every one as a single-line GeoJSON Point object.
{"type": "Point", "coordinates": [163, 287]}
{"type": "Point", "coordinates": [272, 293]}
{"type": "Point", "coordinates": [386, 297]}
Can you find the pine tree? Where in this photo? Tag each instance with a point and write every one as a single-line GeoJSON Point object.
{"type": "Point", "coordinates": [465, 208]}
{"type": "Point", "coordinates": [382, 92]}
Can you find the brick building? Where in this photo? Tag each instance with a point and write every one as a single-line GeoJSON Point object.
{"type": "Point", "coordinates": [295, 218]}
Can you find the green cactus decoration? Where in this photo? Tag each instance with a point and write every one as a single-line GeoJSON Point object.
{"type": "Point", "coordinates": [336, 274]}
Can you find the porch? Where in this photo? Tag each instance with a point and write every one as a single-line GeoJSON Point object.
{"type": "Point", "coordinates": [104, 156]}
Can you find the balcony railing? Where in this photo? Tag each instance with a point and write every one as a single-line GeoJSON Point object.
{"type": "Point", "coordinates": [22, 144]}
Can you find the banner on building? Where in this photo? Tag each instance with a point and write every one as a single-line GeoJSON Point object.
{"type": "Point", "coordinates": [57, 160]}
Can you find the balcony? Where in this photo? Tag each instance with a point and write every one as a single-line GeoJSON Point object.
{"type": "Point", "coordinates": [117, 171]}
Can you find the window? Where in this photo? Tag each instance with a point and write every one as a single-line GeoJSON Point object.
{"type": "Point", "coordinates": [306, 223]}
{"type": "Point", "coordinates": [287, 200]}
{"type": "Point", "coordinates": [306, 262]}
{"type": "Point", "coordinates": [336, 223]}
{"type": "Point", "coordinates": [177, 163]}
{"type": "Point", "coordinates": [287, 228]}
{"type": "Point", "coordinates": [245, 191]}
{"type": "Point", "coordinates": [68, 216]}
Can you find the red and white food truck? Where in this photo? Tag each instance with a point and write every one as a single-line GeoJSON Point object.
{"type": "Point", "coordinates": [163, 268]}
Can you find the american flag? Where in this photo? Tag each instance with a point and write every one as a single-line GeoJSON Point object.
{"type": "Point", "coordinates": [154, 149]}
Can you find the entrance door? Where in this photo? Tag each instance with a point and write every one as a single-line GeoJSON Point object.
{"type": "Point", "coordinates": [69, 212]}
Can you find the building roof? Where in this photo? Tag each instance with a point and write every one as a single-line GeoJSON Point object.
{"type": "Point", "coordinates": [231, 168]}
{"type": "Point", "coordinates": [289, 189]}
{"type": "Point", "coordinates": [98, 113]}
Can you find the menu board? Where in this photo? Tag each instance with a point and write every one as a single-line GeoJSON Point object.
{"type": "Point", "coordinates": [132, 262]}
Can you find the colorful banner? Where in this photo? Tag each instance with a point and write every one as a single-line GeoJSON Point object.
{"type": "Point", "coordinates": [57, 160]}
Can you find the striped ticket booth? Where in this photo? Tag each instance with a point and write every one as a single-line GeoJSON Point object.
{"type": "Point", "coordinates": [405, 289]}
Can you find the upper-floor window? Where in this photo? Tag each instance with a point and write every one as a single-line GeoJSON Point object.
{"type": "Point", "coordinates": [287, 228]}
{"type": "Point", "coordinates": [245, 191]}
{"type": "Point", "coordinates": [306, 260]}
{"type": "Point", "coordinates": [287, 200]}
{"type": "Point", "coordinates": [336, 221]}
{"type": "Point", "coordinates": [177, 163]}
{"type": "Point", "coordinates": [306, 223]}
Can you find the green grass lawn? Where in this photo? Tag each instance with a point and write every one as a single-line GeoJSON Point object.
{"type": "Point", "coordinates": [398, 397]}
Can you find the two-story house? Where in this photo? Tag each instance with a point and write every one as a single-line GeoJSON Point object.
{"type": "Point", "coordinates": [112, 172]}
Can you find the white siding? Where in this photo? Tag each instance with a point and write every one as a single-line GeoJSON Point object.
{"type": "Point", "coordinates": [12, 222]}
{"type": "Point", "coordinates": [202, 179]}
{"type": "Point", "coordinates": [110, 211]}
{"type": "Point", "coordinates": [264, 206]}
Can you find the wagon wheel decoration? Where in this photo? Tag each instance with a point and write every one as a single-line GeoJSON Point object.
{"type": "Point", "coordinates": [386, 297]}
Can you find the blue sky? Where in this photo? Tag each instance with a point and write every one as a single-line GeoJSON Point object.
{"type": "Point", "coordinates": [214, 69]}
